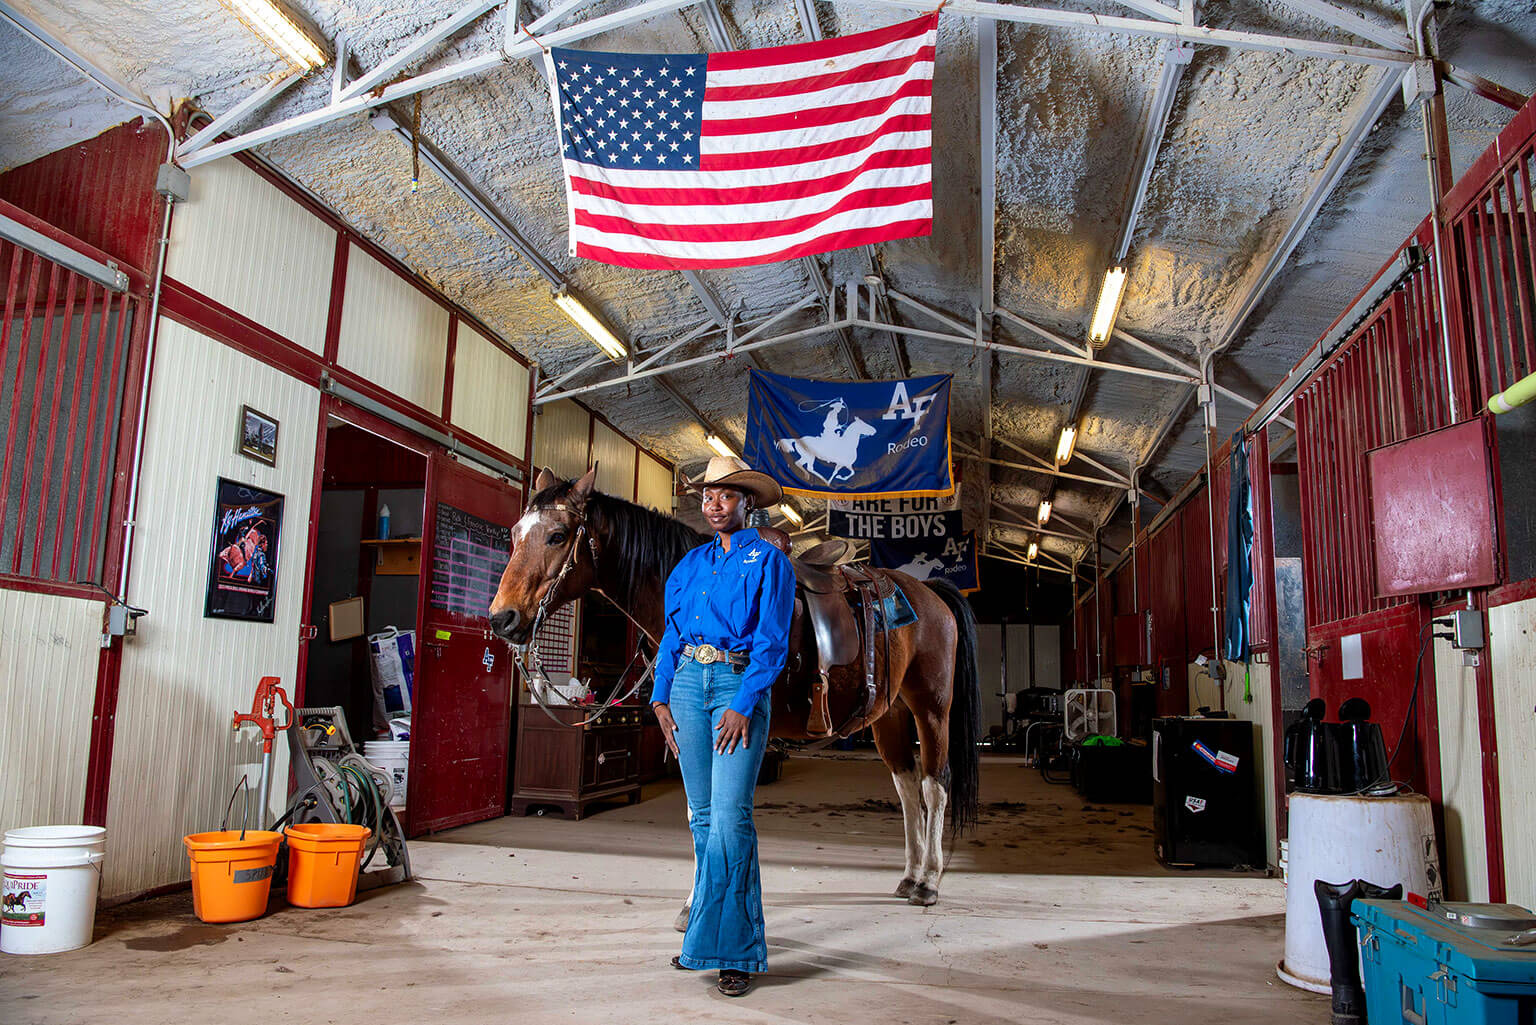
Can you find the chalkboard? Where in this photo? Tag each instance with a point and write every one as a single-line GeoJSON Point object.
{"type": "Point", "coordinates": [468, 555]}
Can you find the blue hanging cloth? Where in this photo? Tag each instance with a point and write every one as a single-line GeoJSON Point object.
{"type": "Point", "coordinates": [1239, 552]}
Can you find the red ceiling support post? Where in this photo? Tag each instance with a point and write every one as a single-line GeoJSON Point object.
{"type": "Point", "coordinates": [1493, 816]}
{"type": "Point", "coordinates": [449, 359]}
{"type": "Point", "coordinates": [338, 296]}
{"type": "Point", "coordinates": [307, 611]}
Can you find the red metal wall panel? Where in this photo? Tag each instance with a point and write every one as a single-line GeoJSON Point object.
{"type": "Point", "coordinates": [1199, 632]}
{"type": "Point", "coordinates": [102, 191]}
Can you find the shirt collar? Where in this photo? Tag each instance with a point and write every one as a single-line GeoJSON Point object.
{"type": "Point", "coordinates": [744, 536]}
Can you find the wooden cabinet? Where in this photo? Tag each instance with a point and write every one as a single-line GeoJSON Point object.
{"type": "Point", "coordinates": [572, 767]}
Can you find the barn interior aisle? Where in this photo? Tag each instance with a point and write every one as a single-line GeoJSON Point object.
{"type": "Point", "coordinates": [1055, 912]}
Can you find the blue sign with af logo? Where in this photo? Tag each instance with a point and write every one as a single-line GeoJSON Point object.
{"type": "Point", "coordinates": [952, 558]}
{"type": "Point", "coordinates": [851, 439]}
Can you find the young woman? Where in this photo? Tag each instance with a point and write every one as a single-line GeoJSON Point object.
{"type": "Point", "coordinates": [728, 611]}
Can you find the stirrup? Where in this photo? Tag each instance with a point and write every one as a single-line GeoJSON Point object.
{"type": "Point", "coordinates": [820, 723]}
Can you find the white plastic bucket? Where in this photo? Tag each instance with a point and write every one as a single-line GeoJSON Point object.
{"type": "Point", "coordinates": [1383, 840]}
{"type": "Point", "coordinates": [393, 757]}
{"type": "Point", "coordinates": [51, 877]}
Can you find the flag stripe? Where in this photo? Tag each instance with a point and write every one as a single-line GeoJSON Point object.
{"type": "Point", "coordinates": [843, 220]}
{"type": "Point", "coordinates": [822, 151]}
{"type": "Point", "coordinates": [801, 101]}
{"type": "Point", "coordinates": [770, 191]}
{"type": "Point", "coordinates": [645, 260]}
{"type": "Point", "coordinates": [754, 228]}
{"type": "Point", "coordinates": [834, 116]}
{"type": "Point", "coordinates": [895, 67]}
{"type": "Point", "coordinates": [768, 56]}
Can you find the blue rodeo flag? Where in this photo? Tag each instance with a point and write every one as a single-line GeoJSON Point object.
{"type": "Point", "coordinates": [953, 558]}
{"type": "Point", "coordinates": [851, 439]}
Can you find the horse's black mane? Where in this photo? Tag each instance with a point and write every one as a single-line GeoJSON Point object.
{"type": "Point", "coordinates": [651, 543]}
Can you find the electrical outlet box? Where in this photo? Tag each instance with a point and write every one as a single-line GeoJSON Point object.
{"type": "Point", "coordinates": [173, 183]}
{"type": "Point", "coordinates": [1467, 627]}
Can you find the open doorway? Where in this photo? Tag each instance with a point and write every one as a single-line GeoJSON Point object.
{"type": "Point", "coordinates": [368, 548]}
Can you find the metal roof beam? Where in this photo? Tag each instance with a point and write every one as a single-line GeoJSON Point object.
{"type": "Point", "coordinates": [1179, 32]}
{"type": "Point", "coordinates": [423, 45]}
{"type": "Point", "coordinates": [1354, 24]}
{"type": "Point", "coordinates": [525, 48]}
{"type": "Point", "coordinates": [1175, 58]}
{"type": "Point", "coordinates": [239, 112]}
{"type": "Point", "coordinates": [1189, 368]}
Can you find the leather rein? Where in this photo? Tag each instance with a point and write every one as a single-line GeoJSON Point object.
{"type": "Point", "coordinates": [533, 668]}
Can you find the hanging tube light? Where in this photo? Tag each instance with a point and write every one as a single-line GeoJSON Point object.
{"type": "Point", "coordinates": [287, 36]}
{"type": "Point", "coordinates": [1109, 306]}
{"type": "Point", "coordinates": [791, 515]}
{"type": "Point", "coordinates": [613, 347]}
{"type": "Point", "coordinates": [1034, 550]}
{"type": "Point", "coordinates": [1065, 445]}
{"type": "Point", "coordinates": [1044, 515]}
{"type": "Point", "coordinates": [721, 448]}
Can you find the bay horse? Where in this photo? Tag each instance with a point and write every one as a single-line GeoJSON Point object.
{"type": "Point", "coordinates": [573, 539]}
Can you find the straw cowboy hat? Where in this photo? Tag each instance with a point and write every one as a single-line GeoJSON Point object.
{"type": "Point", "coordinates": [730, 472]}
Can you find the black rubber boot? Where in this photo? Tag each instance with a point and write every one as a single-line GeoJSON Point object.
{"type": "Point", "coordinates": [1333, 901]}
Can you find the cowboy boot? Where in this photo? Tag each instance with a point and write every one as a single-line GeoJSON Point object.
{"type": "Point", "coordinates": [820, 722]}
{"type": "Point", "coordinates": [1333, 903]}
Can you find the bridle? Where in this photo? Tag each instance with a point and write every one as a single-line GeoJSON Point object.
{"type": "Point", "coordinates": [538, 679]}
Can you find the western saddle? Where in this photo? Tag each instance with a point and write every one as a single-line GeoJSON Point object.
{"type": "Point", "coordinates": [845, 606]}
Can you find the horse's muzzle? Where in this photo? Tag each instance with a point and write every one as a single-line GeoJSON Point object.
{"type": "Point", "coordinates": [505, 623]}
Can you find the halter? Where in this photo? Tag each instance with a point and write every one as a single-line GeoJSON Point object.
{"type": "Point", "coordinates": [534, 668]}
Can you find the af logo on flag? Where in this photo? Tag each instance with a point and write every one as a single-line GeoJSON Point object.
{"type": "Point", "coordinates": [851, 439]}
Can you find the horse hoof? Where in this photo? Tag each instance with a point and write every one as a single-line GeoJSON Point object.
{"type": "Point", "coordinates": [680, 923]}
{"type": "Point", "coordinates": [905, 887]}
{"type": "Point", "coordinates": [923, 896]}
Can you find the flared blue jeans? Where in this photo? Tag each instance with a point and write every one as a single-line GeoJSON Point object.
{"type": "Point", "coordinates": [725, 920]}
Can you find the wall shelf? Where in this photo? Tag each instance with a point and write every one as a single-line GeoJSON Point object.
{"type": "Point", "coordinates": [397, 557]}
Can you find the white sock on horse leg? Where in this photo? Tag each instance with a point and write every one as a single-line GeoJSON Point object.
{"type": "Point", "coordinates": [911, 820]}
{"type": "Point", "coordinates": [935, 800]}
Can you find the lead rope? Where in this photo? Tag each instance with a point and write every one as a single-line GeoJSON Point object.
{"type": "Point", "coordinates": [534, 668]}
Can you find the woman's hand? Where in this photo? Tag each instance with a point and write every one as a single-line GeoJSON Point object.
{"type": "Point", "coordinates": [668, 727]}
{"type": "Point", "coordinates": [733, 730]}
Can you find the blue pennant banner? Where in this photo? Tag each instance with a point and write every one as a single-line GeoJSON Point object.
{"type": "Point", "coordinates": [851, 439]}
{"type": "Point", "coordinates": [952, 558]}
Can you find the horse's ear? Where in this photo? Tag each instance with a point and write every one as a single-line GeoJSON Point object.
{"type": "Point", "coordinates": [545, 479]}
{"type": "Point", "coordinates": [582, 490]}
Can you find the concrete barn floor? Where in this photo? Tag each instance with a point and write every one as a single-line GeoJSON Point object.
{"type": "Point", "coordinates": [1051, 912]}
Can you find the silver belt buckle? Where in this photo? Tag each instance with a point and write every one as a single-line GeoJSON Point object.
{"type": "Point", "coordinates": [704, 654]}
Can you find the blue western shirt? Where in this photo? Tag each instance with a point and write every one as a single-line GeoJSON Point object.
{"type": "Point", "coordinates": [739, 600]}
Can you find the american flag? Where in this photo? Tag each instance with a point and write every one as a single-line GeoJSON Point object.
{"type": "Point", "coordinates": [751, 156]}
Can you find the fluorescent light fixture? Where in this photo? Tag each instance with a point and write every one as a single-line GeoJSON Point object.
{"type": "Point", "coordinates": [1065, 445]}
{"type": "Point", "coordinates": [1109, 305]}
{"type": "Point", "coordinates": [718, 444]}
{"type": "Point", "coordinates": [280, 30]}
{"type": "Point", "coordinates": [1034, 549]}
{"type": "Point", "coordinates": [791, 515]}
{"type": "Point", "coordinates": [1045, 512]}
{"type": "Point", "coordinates": [585, 319]}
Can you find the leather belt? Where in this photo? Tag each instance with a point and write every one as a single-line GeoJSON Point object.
{"type": "Point", "coordinates": [706, 654]}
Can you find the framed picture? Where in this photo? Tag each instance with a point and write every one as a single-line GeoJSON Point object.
{"type": "Point", "coordinates": [242, 567]}
{"type": "Point", "coordinates": [258, 436]}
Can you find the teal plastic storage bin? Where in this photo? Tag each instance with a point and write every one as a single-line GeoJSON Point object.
{"type": "Point", "coordinates": [1446, 966]}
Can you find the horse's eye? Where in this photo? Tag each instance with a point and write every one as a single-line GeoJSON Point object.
{"type": "Point", "coordinates": [557, 538]}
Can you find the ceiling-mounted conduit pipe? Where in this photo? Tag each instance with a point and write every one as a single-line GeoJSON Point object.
{"type": "Point", "coordinates": [60, 49]}
{"type": "Point", "coordinates": [1208, 400]}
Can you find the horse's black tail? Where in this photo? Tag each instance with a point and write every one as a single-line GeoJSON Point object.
{"type": "Point", "coordinates": [964, 710]}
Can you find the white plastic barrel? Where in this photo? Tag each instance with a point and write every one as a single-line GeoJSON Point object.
{"type": "Point", "coordinates": [393, 757]}
{"type": "Point", "coordinates": [1383, 840]}
{"type": "Point", "coordinates": [51, 877]}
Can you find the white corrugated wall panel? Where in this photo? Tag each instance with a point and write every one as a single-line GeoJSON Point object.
{"type": "Point", "coordinates": [240, 241]}
{"type": "Point", "coordinates": [1512, 646]}
{"type": "Point", "coordinates": [392, 333]}
{"type": "Point", "coordinates": [560, 438]}
{"type": "Point", "coordinates": [174, 759]}
{"type": "Point", "coordinates": [49, 646]}
{"type": "Point", "coordinates": [1461, 776]}
{"type": "Point", "coordinates": [655, 485]}
{"type": "Point", "coordinates": [615, 458]}
{"type": "Point", "coordinates": [490, 391]}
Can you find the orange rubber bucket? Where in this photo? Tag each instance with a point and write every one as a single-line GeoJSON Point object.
{"type": "Point", "coordinates": [231, 876]}
{"type": "Point", "coordinates": [324, 859]}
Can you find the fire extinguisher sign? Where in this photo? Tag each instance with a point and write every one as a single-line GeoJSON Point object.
{"type": "Point", "coordinates": [25, 900]}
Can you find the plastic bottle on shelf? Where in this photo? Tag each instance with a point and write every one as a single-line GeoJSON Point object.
{"type": "Point", "coordinates": [384, 522]}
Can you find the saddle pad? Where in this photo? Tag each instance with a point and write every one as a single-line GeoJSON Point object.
{"type": "Point", "coordinates": [898, 611]}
